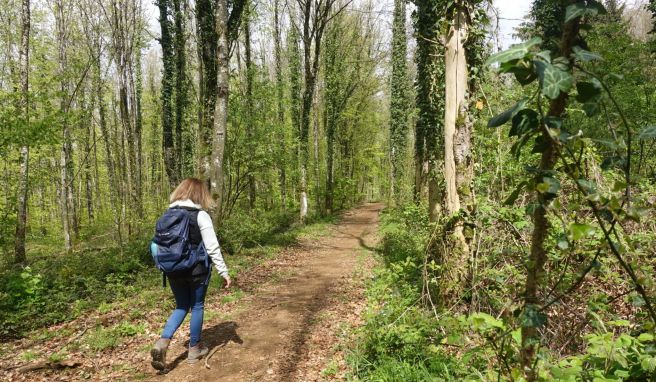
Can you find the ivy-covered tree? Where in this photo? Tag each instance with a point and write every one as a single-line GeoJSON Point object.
{"type": "Point", "coordinates": [399, 101]}
{"type": "Point", "coordinates": [429, 86]}
{"type": "Point", "coordinates": [168, 87]}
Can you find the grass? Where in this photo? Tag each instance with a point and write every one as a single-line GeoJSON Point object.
{"type": "Point", "coordinates": [29, 356]}
{"type": "Point", "coordinates": [235, 294]}
{"type": "Point", "coordinates": [100, 339]}
{"type": "Point", "coordinates": [331, 369]}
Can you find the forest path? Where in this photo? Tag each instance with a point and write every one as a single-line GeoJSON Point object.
{"type": "Point", "coordinates": [288, 328]}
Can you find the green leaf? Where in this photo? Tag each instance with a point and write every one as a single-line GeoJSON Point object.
{"type": "Point", "coordinates": [524, 121]}
{"type": "Point", "coordinates": [587, 91]}
{"type": "Point", "coordinates": [553, 79]}
{"type": "Point", "coordinates": [648, 132]}
{"type": "Point", "coordinates": [549, 185]}
{"type": "Point", "coordinates": [648, 364]}
{"type": "Point", "coordinates": [578, 231]}
{"type": "Point", "coordinates": [585, 56]}
{"type": "Point", "coordinates": [580, 9]}
{"type": "Point", "coordinates": [504, 117]}
{"type": "Point", "coordinates": [575, 10]}
{"type": "Point", "coordinates": [483, 321]}
{"type": "Point", "coordinates": [588, 186]}
{"type": "Point", "coordinates": [589, 94]}
{"type": "Point", "coordinates": [516, 148]}
{"type": "Point", "coordinates": [515, 52]}
{"type": "Point", "coordinates": [515, 194]}
{"type": "Point", "coordinates": [532, 318]}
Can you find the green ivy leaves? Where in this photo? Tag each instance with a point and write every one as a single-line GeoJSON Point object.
{"type": "Point", "coordinates": [515, 52]}
{"type": "Point", "coordinates": [589, 94]}
{"type": "Point", "coordinates": [577, 231]}
{"type": "Point", "coordinates": [553, 79]}
{"type": "Point", "coordinates": [583, 8]}
{"type": "Point", "coordinates": [504, 117]}
{"type": "Point", "coordinates": [648, 132]}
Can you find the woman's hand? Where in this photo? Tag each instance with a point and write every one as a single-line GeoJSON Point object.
{"type": "Point", "coordinates": [228, 281]}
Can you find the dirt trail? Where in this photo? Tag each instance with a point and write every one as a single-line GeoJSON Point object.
{"type": "Point", "coordinates": [280, 333]}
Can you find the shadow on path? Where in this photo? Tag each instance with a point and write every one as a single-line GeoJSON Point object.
{"type": "Point", "coordinates": [216, 336]}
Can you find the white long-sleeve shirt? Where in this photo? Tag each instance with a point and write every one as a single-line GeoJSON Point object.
{"type": "Point", "coordinates": [207, 233]}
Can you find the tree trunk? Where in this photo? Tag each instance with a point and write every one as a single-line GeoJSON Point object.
{"type": "Point", "coordinates": [279, 104]}
{"type": "Point", "coordinates": [207, 37]}
{"type": "Point", "coordinates": [295, 97]}
{"type": "Point", "coordinates": [315, 136]}
{"type": "Point", "coordinates": [65, 189]}
{"type": "Point", "coordinates": [168, 78]}
{"type": "Point", "coordinates": [457, 155]}
{"type": "Point", "coordinates": [180, 85]}
{"type": "Point", "coordinates": [250, 133]}
{"type": "Point", "coordinates": [221, 107]}
{"type": "Point", "coordinates": [114, 191]}
{"type": "Point", "coordinates": [23, 109]}
{"type": "Point", "coordinates": [398, 102]}
{"type": "Point", "coordinates": [138, 129]}
{"type": "Point", "coordinates": [88, 174]}
{"type": "Point", "coordinates": [538, 254]}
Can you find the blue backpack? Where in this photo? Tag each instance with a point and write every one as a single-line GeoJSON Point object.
{"type": "Point", "coordinates": [171, 250]}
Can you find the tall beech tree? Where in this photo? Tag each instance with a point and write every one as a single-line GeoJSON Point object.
{"type": "Point", "coordinates": [23, 108]}
{"type": "Point", "coordinates": [280, 89]}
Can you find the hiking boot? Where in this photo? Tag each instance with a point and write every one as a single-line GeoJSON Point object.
{"type": "Point", "coordinates": [196, 352]}
{"type": "Point", "coordinates": [158, 353]}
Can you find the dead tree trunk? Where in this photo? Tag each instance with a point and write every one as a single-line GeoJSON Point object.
{"type": "Point", "coordinates": [457, 154]}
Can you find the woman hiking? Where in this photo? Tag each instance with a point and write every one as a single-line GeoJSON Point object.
{"type": "Point", "coordinates": [188, 204]}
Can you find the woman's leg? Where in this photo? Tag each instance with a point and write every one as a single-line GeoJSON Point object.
{"type": "Point", "coordinates": [183, 293]}
{"type": "Point", "coordinates": [197, 311]}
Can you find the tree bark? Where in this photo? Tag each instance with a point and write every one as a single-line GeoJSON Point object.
{"type": "Point", "coordinates": [455, 113]}
{"type": "Point", "coordinates": [207, 56]}
{"type": "Point", "coordinates": [221, 107]}
{"type": "Point", "coordinates": [23, 109]}
{"type": "Point", "coordinates": [65, 188]}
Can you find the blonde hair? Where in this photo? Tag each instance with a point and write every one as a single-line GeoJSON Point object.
{"type": "Point", "coordinates": [195, 190]}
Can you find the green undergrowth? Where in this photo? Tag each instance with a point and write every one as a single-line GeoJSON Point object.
{"type": "Point", "coordinates": [405, 339]}
{"type": "Point", "coordinates": [58, 288]}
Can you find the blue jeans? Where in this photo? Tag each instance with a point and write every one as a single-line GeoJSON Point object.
{"type": "Point", "coordinates": [189, 295]}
